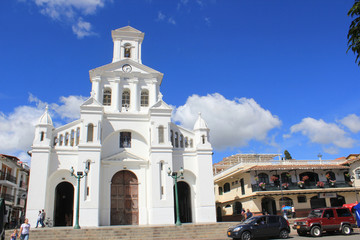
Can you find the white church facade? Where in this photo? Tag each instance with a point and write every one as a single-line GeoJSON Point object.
{"type": "Point", "coordinates": [127, 142]}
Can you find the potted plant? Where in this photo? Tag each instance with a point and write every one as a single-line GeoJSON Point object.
{"type": "Point", "coordinates": [285, 185]}
{"type": "Point", "coordinates": [332, 182]}
{"type": "Point", "coordinates": [288, 175]}
{"type": "Point", "coordinates": [320, 184]}
{"type": "Point", "coordinates": [256, 178]}
{"type": "Point", "coordinates": [347, 175]}
{"type": "Point", "coordinates": [305, 178]}
{"type": "Point", "coordinates": [274, 178]}
{"type": "Point", "coordinates": [301, 184]}
{"type": "Point", "coordinates": [328, 176]}
{"type": "Point", "coordinates": [262, 185]}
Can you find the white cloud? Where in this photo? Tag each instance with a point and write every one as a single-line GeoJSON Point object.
{"type": "Point", "coordinates": [70, 12]}
{"type": "Point", "coordinates": [171, 20]}
{"type": "Point", "coordinates": [17, 128]}
{"type": "Point", "coordinates": [69, 108]}
{"type": "Point", "coordinates": [318, 131]}
{"type": "Point", "coordinates": [207, 21]}
{"type": "Point", "coordinates": [351, 121]}
{"type": "Point", "coordinates": [161, 16]}
{"type": "Point", "coordinates": [232, 123]}
{"type": "Point", "coordinates": [82, 29]}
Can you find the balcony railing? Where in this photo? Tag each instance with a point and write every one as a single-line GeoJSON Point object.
{"type": "Point", "coordinates": [7, 177]}
{"type": "Point", "coordinates": [295, 186]}
{"type": "Point", "coordinates": [7, 197]}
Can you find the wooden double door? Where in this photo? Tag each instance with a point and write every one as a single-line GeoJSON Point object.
{"type": "Point", "coordinates": [124, 199]}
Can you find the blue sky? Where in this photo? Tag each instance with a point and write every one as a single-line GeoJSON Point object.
{"type": "Point", "coordinates": [266, 75]}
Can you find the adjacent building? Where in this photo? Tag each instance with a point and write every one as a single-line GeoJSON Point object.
{"type": "Point", "coordinates": [14, 177]}
{"type": "Point", "coordinates": [127, 143]}
{"type": "Point", "coordinates": [265, 183]}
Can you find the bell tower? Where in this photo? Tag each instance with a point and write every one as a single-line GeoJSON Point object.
{"type": "Point", "coordinates": [127, 44]}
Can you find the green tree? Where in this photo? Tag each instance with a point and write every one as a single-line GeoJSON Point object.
{"type": "Point", "coordinates": [287, 155]}
{"type": "Point", "coordinates": [354, 31]}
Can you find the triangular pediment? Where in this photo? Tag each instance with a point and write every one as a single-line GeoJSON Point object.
{"type": "Point", "coordinates": [117, 68]}
{"type": "Point", "coordinates": [127, 29]}
{"type": "Point", "coordinates": [161, 105]}
{"type": "Point", "coordinates": [91, 102]}
{"type": "Point", "coordinates": [124, 156]}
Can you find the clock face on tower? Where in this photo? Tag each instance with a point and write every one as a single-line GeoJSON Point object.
{"type": "Point", "coordinates": [126, 68]}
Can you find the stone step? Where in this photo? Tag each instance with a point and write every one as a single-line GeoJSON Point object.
{"type": "Point", "coordinates": [216, 231]}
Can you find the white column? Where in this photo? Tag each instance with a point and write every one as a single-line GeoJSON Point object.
{"type": "Point", "coordinates": [134, 97]}
{"type": "Point", "coordinates": [96, 87]}
{"type": "Point", "coordinates": [153, 96]}
{"type": "Point", "coordinates": [116, 94]}
{"type": "Point", "coordinates": [116, 53]}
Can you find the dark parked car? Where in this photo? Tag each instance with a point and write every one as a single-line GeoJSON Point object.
{"type": "Point", "coordinates": [336, 219]}
{"type": "Point", "coordinates": [260, 226]}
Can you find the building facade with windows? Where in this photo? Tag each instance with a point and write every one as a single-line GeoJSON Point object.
{"type": "Point", "coordinates": [14, 176]}
{"type": "Point", "coordinates": [264, 184]}
{"type": "Point", "coordinates": [127, 142]}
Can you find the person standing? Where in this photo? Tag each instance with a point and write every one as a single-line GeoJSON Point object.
{"type": "Point", "coordinates": [248, 214]}
{"type": "Point", "coordinates": [293, 212]}
{"type": "Point", "coordinates": [25, 230]}
{"type": "Point", "coordinates": [43, 214]}
{"type": "Point", "coordinates": [39, 219]}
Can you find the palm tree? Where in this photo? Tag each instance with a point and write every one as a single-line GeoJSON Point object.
{"type": "Point", "coordinates": [354, 31]}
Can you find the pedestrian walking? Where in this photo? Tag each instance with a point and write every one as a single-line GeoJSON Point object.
{"type": "Point", "coordinates": [14, 235]}
{"type": "Point", "coordinates": [39, 218]}
{"type": "Point", "coordinates": [293, 212]}
{"type": "Point", "coordinates": [25, 230]}
{"type": "Point", "coordinates": [248, 214]}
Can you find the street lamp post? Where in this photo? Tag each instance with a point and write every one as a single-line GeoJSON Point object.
{"type": "Point", "coordinates": [353, 179]}
{"type": "Point", "coordinates": [79, 175]}
{"type": "Point", "coordinates": [175, 176]}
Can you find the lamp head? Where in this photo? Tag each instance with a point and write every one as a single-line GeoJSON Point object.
{"type": "Point", "coordinates": [86, 171]}
{"type": "Point", "coordinates": [72, 171]}
{"type": "Point", "coordinates": [181, 171]}
{"type": "Point", "coordinates": [169, 171]}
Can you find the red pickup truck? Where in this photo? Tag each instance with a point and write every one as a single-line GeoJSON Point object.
{"type": "Point", "coordinates": [326, 219]}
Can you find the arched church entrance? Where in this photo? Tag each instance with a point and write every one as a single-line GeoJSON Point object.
{"type": "Point", "coordinates": [184, 195]}
{"type": "Point", "coordinates": [124, 199]}
{"type": "Point", "coordinates": [268, 206]}
{"type": "Point", "coordinates": [64, 204]}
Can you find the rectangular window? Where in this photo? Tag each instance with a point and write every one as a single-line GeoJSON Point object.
{"type": "Point", "coordinates": [242, 185]}
{"type": "Point", "coordinates": [125, 139]}
{"type": "Point", "coordinates": [302, 199]}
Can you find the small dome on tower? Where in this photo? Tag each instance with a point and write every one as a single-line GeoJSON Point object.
{"type": "Point", "coordinates": [45, 118]}
{"type": "Point", "coordinates": [200, 123]}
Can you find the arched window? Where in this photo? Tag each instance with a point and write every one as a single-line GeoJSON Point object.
{"type": "Point", "coordinates": [263, 177]}
{"type": "Point", "coordinates": [330, 176]}
{"type": "Point", "coordinates": [42, 136]}
{"type": "Point", "coordinates": [90, 133]}
{"type": "Point", "coordinates": [72, 138]}
{"type": "Point", "coordinates": [126, 98]}
{"type": "Point", "coordinates": [176, 140]}
{"type": "Point", "coordinates": [107, 97]}
{"type": "Point", "coordinates": [181, 141]}
{"type": "Point", "coordinates": [127, 50]}
{"type": "Point", "coordinates": [186, 142]}
{"type": "Point", "coordinates": [66, 139]}
{"type": "Point", "coordinates": [77, 136]}
{"type": "Point", "coordinates": [226, 187]}
{"type": "Point", "coordinates": [161, 134]}
{"type": "Point", "coordinates": [144, 99]}
{"type": "Point", "coordinates": [61, 140]}
{"type": "Point", "coordinates": [203, 139]}
{"type": "Point", "coordinates": [55, 141]}
{"type": "Point", "coordinates": [172, 137]}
